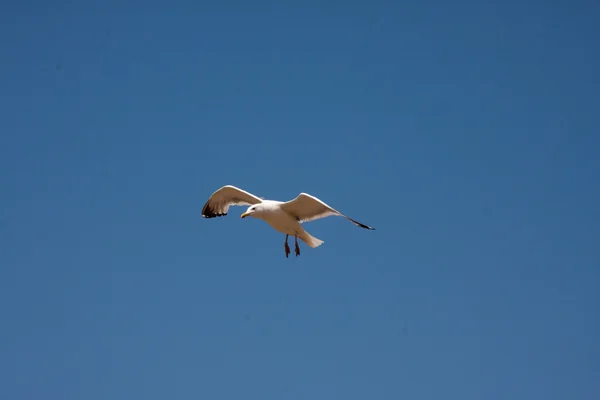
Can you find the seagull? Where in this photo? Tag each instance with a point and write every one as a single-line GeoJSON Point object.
{"type": "Point", "coordinates": [285, 217]}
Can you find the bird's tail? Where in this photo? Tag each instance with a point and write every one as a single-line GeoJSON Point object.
{"type": "Point", "coordinates": [310, 240]}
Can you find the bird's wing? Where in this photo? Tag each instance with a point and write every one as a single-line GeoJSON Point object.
{"type": "Point", "coordinates": [219, 202]}
{"type": "Point", "coordinates": [308, 208]}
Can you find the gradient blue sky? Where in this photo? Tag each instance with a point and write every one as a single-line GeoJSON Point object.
{"type": "Point", "coordinates": [466, 133]}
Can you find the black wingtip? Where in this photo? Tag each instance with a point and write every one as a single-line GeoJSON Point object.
{"type": "Point", "coordinates": [366, 227]}
{"type": "Point", "coordinates": [213, 216]}
{"type": "Point", "coordinates": [362, 225]}
{"type": "Point", "coordinates": [208, 212]}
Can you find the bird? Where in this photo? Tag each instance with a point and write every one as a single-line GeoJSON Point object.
{"type": "Point", "coordinates": [285, 217]}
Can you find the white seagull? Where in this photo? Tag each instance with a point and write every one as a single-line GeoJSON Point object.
{"type": "Point", "coordinates": [285, 217]}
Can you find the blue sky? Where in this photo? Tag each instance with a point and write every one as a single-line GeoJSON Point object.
{"type": "Point", "coordinates": [466, 133]}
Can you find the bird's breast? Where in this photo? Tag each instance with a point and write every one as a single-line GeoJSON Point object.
{"type": "Point", "coordinates": [282, 222]}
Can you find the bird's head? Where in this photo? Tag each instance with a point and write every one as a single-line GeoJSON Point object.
{"type": "Point", "coordinates": [252, 211]}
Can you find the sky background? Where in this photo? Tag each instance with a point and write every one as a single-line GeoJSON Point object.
{"type": "Point", "coordinates": [465, 132]}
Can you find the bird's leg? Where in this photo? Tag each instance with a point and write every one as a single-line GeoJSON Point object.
{"type": "Point", "coordinates": [287, 248]}
{"type": "Point", "coordinates": [297, 247]}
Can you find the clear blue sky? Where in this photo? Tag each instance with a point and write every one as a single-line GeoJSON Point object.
{"type": "Point", "coordinates": [467, 133]}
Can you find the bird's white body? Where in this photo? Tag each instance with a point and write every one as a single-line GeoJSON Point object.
{"type": "Point", "coordinates": [285, 217]}
{"type": "Point", "coordinates": [271, 212]}
{"type": "Point", "coordinates": [273, 215]}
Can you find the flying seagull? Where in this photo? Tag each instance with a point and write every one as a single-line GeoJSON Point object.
{"type": "Point", "coordinates": [285, 217]}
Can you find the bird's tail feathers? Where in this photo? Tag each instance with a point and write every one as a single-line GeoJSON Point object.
{"type": "Point", "coordinates": [311, 241]}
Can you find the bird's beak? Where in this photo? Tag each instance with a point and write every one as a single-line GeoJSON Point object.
{"type": "Point", "coordinates": [244, 215]}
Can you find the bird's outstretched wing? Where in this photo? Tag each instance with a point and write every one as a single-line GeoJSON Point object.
{"type": "Point", "coordinates": [219, 202]}
{"type": "Point", "coordinates": [308, 208]}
